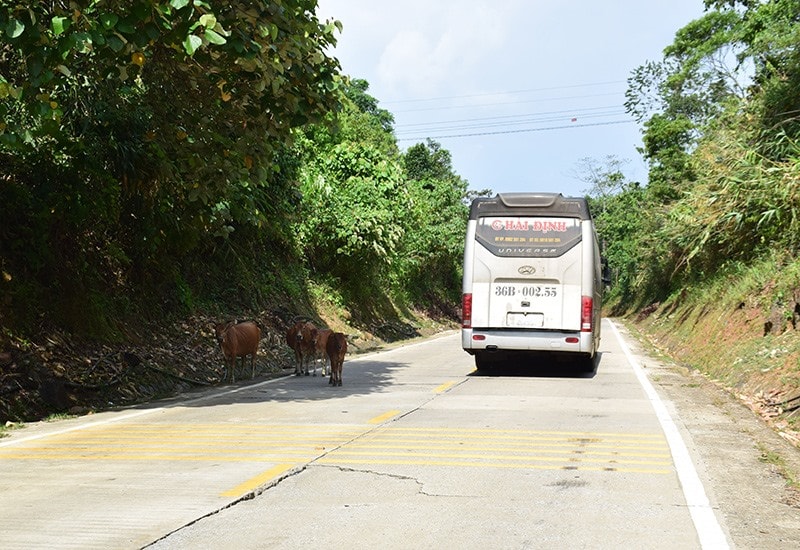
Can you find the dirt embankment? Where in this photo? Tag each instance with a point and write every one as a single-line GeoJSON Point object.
{"type": "Point", "coordinates": [754, 354]}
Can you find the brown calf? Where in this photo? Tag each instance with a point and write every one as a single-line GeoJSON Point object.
{"type": "Point", "coordinates": [320, 339]}
{"type": "Point", "coordinates": [238, 340]}
{"type": "Point", "coordinates": [336, 348]}
{"type": "Point", "coordinates": [293, 341]}
{"type": "Point", "coordinates": [305, 344]}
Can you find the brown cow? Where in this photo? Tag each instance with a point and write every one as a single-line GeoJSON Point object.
{"type": "Point", "coordinates": [336, 348]}
{"type": "Point", "coordinates": [238, 340]}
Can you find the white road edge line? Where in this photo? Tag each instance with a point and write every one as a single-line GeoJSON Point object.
{"type": "Point", "coordinates": [122, 416]}
{"type": "Point", "coordinates": [705, 522]}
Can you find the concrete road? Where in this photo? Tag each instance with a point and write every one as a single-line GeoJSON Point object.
{"type": "Point", "coordinates": [414, 450]}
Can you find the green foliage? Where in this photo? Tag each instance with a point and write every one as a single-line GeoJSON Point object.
{"type": "Point", "coordinates": [139, 135]}
{"type": "Point", "coordinates": [666, 144]}
{"type": "Point", "coordinates": [429, 266]}
{"type": "Point", "coordinates": [723, 182]}
{"type": "Point", "coordinates": [428, 161]}
{"type": "Point", "coordinates": [675, 97]}
{"type": "Point", "coordinates": [165, 155]}
{"type": "Point", "coordinates": [354, 202]}
{"type": "Point", "coordinates": [353, 199]}
{"type": "Point", "coordinates": [356, 92]}
{"type": "Point", "coordinates": [627, 218]}
{"type": "Point", "coordinates": [377, 221]}
{"type": "Point", "coordinates": [743, 205]}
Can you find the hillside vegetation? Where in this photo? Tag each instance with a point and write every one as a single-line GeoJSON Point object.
{"type": "Point", "coordinates": [167, 164]}
{"type": "Point", "coordinates": [706, 255]}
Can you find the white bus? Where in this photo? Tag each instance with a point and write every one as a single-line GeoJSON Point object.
{"type": "Point", "coordinates": [533, 279]}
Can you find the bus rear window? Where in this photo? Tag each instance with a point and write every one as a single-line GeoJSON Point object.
{"type": "Point", "coordinates": [528, 237]}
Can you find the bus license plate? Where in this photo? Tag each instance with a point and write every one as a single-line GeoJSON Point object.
{"type": "Point", "coordinates": [525, 320]}
{"type": "Point", "coordinates": [526, 291]}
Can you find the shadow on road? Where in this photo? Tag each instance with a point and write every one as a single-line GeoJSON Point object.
{"type": "Point", "coordinates": [540, 366]}
{"type": "Point", "coordinates": [359, 378]}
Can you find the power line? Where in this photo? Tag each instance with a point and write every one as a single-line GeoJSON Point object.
{"type": "Point", "coordinates": [421, 100]}
{"type": "Point", "coordinates": [478, 123]}
{"type": "Point", "coordinates": [481, 105]}
{"type": "Point", "coordinates": [572, 112]}
{"type": "Point", "coordinates": [569, 126]}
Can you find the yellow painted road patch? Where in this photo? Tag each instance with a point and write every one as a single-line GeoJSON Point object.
{"type": "Point", "coordinates": [384, 417]}
{"type": "Point", "coordinates": [444, 387]}
{"type": "Point", "coordinates": [261, 479]}
{"type": "Point", "coordinates": [520, 449]}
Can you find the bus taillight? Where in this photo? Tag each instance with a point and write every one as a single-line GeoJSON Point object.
{"type": "Point", "coordinates": [466, 311]}
{"type": "Point", "coordinates": [586, 314]}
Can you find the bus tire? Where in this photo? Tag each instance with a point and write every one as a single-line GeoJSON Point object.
{"type": "Point", "coordinates": [589, 363]}
{"type": "Point", "coordinates": [483, 364]}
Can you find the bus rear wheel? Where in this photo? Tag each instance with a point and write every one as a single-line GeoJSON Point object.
{"type": "Point", "coordinates": [484, 364]}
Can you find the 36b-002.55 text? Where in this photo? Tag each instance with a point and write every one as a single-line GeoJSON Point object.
{"type": "Point", "coordinates": [526, 291]}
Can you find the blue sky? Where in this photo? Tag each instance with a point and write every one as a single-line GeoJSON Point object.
{"type": "Point", "coordinates": [518, 91]}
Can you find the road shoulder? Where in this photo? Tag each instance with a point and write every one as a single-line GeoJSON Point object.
{"type": "Point", "coordinates": [743, 463]}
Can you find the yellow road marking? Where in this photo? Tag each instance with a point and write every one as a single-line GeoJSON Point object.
{"type": "Point", "coordinates": [548, 449]}
{"type": "Point", "coordinates": [487, 448]}
{"type": "Point", "coordinates": [444, 387]}
{"type": "Point", "coordinates": [510, 440]}
{"type": "Point", "coordinates": [151, 457]}
{"type": "Point", "coordinates": [386, 443]}
{"type": "Point", "coordinates": [469, 464]}
{"type": "Point", "coordinates": [384, 417]}
{"type": "Point", "coordinates": [513, 458]}
{"type": "Point", "coordinates": [575, 435]}
{"type": "Point", "coordinates": [260, 479]}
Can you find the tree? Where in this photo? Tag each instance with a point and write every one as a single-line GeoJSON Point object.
{"type": "Point", "coordinates": [433, 246]}
{"type": "Point", "coordinates": [428, 161]}
{"type": "Point", "coordinates": [604, 178]}
{"type": "Point", "coordinates": [356, 91]}
{"type": "Point", "coordinates": [623, 224]}
{"type": "Point", "coordinates": [135, 132]}
{"type": "Point", "coordinates": [677, 96]}
{"type": "Point", "coordinates": [353, 198]}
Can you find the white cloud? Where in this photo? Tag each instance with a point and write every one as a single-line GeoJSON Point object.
{"type": "Point", "coordinates": [508, 60]}
{"type": "Point", "coordinates": [448, 44]}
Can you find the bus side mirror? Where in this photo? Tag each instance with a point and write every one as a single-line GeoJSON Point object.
{"type": "Point", "coordinates": [606, 276]}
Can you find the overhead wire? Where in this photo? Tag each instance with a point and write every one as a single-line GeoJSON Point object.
{"type": "Point", "coordinates": [483, 105]}
{"type": "Point", "coordinates": [511, 120]}
{"type": "Point", "coordinates": [507, 124]}
{"type": "Point", "coordinates": [518, 131]}
{"type": "Point", "coordinates": [514, 116]}
{"type": "Point", "coordinates": [544, 89]}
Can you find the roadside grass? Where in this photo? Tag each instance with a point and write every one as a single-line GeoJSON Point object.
{"type": "Point", "coordinates": [779, 463]}
{"type": "Point", "coordinates": [385, 321]}
{"type": "Point", "coordinates": [55, 417]}
{"type": "Point", "coordinates": [8, 427]}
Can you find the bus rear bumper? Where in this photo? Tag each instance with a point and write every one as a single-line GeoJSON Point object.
{"type": "Point", "coordinates": [475, 340]}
